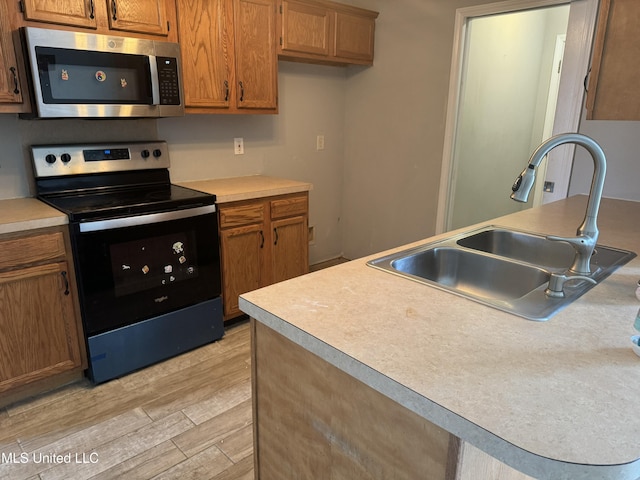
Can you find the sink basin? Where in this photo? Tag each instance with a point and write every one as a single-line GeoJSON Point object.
{"type": "Point", "coordinates": [502, 268]}
{"type": "Point", "coordinates": [526, 247]}
{"type": "Point", "coordinates": [467, 272]}
{"type": "Point", "coordinates": [537, 250]}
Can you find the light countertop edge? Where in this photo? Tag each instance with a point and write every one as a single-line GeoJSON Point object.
{"type": "Point", "coordinates": [522, 460]}
{"type": "Point", "coordinates": [300, 310]}
{"type": "Point", "coordinates": [24, 214]}
{"type": "Point", "coordinates": [249, 187]}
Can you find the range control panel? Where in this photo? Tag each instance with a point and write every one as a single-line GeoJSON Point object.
{"type": "Point", "coordinates": [78, 159]}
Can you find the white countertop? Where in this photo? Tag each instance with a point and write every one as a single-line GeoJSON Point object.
{"type": "Point", "coordinates": [20, 214]}
{"type": "Point", "coordinates": [246, 188]}
{"type": "Point", "coordinates": [555, 399]}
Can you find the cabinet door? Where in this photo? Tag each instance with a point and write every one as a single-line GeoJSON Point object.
{"type": "Point", "coordinates": [290, 256]}
{"type": "Point", "coordinates": [256, 63]}
{"type": "Point", "coordinates": [206, 43]}
{"type": "Point", "coordinates": [139, 16]}
{"type": "Point", "coordinates": [613, 85]}
{"type": "Point", "coordinates": [304, 28]}
{"type": "Point", "coordinates": [354, 37]}
{"type": "Point", "coordinates": [242, 264]}
{"type": "Point", "coordinates": [10, 88]}
{"type": "Point", "coordinates": [76, 13]}
{"type": "Point", "coordinates": [39, 335]}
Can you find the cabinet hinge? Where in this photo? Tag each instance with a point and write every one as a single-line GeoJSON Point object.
{"type": "Point", "coordinates": [280, 41]}
{"type": "Point", "coordinates": [281, 8]}
{"type": "Point", "coordinates": [168, 26]}
{"type": "Point", "coordinates": [21, 6]}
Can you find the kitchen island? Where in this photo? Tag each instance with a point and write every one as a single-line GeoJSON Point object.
{"type": "Point", "coordinates": [362, 374]}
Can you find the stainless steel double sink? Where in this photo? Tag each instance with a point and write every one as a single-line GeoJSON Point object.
{"type": "Point", "coordinates": [503, 268]}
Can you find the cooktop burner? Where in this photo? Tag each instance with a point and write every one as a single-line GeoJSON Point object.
{"type": "Point", "coordinates": [93, 181]}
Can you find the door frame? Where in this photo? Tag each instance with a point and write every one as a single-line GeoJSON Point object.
{"type": "Point", "coordinates": [580, 30]}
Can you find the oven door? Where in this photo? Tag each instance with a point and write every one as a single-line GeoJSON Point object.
{"type": "Point", "coordinates": [134, 268]}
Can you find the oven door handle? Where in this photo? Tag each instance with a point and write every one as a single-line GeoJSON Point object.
{"type": "Point", "coordinates": [133, 221]}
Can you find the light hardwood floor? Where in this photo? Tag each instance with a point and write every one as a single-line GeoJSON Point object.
{"type": "Point", "coordinates": [186, 418]}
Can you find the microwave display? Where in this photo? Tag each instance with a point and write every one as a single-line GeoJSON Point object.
{"type": "Point", "coordinates": [89, 77]}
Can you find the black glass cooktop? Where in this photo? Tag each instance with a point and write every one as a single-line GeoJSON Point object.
{"type": "Point", "coordinates": [117, 202]}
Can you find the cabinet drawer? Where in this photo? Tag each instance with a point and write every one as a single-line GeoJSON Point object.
{"type": "Point", "coordinates": [288, 207]}
{"type": "Point", "coordinates": [241, 215]}
{"type": "Point", "coordinates": [38, 248]}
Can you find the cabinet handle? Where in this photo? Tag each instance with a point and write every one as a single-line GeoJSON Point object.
{"type": "Point", "coordinates": [15, 80]}
{"type": "Point", "coordinates": [261, 239]}
{"type": "Point", "coordinates": [241, 92]}
{"type": "Point", "coordinates": [92, 10]}
{"type": "Point", "coordinates": [586, 81]}
{"type": "Point", "coordinates": [66, 282]}
{"type": "Point", "coordinates": [275, 232]}
{"type": "Point", "coordinates": [226, 91]}
{"type": "Point", "coordinates": [114, 8]}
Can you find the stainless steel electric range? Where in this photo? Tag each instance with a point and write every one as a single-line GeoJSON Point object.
{"type": "Point", "coordinates": [145, 251]}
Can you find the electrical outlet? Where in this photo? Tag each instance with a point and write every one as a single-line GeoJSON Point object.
{"type": "Point", "coordinates": [320, 142]}
{"type": "Point", "coordinates": [238, 146]}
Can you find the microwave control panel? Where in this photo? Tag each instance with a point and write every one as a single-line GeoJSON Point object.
{"type": "Point", "coordinates": [168, 80]}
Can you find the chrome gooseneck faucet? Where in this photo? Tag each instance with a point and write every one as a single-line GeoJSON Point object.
{"type": "Point", "coordinates": [587, 235]}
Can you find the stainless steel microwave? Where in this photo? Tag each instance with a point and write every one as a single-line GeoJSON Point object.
{"type": "Point", "coordinates": [101, 76]}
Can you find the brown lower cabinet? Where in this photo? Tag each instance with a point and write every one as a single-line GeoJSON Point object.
{"type": "Point", "coordinates": [262, 241]}
{"type": "Point", "coordinates": [41, 345]}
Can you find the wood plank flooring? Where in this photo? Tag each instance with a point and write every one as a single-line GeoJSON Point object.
{"type": "Point", "coordinates": [186, 418]}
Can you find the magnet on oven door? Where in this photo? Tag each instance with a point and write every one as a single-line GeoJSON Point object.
{"type": "Point", "coordinates": [182, 259]}
{"type": "Point", "coordinates": [64, 75]}
{"type": "Point", "coordinates": [178, 247]}
{"type": "Point", "coordinates": [123, 82]}
{"type": "Point", "coordinates": [168, 269]}
{"type": "Point", "coordinates": [100, 76]}
{"type": "Point", "coordinates": [145, 269]}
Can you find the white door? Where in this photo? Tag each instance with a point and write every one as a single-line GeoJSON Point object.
{"type": "Point", "coordinates": [502, 98]}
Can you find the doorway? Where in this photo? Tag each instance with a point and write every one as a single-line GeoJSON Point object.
{"type": "Point", "coordinates": [502, 100]}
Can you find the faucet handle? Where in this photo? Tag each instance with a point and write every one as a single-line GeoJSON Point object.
{"type": "Point", "coordinates": [557, 281]}
{"type": "Point", "coordinates": [584, 246]}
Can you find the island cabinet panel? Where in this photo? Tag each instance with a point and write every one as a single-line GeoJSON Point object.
{"type": "Point", "coordinates": [42, 342]}
{"type": "Point", "coordinates": [613, 92]}
{"type": "Point", "coordinates": [319, 31]}
{"type": "Point", "coordinates": [228, 55]}
{"type": "Point", "coordinates": [474, 464]}
{"type": "Point", "coordinates": [262, 241]}
{"type": "Point", "coordinates": [311, 420]}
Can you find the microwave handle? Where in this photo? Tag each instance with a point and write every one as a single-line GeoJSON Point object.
{"type": "Point", "coordinates": [134, 221]}
{"type": "Point", "coordinates": [155, 87]}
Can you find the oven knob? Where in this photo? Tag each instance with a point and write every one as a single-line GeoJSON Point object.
{"type": "Point", "coordinates": [145, 153]}
{"type": "Point", "coordinates": [50, 158]}
{"type": "Point", "coordinates": [65, 157]}
{"type": "Point", "coordinates": [157, 153]}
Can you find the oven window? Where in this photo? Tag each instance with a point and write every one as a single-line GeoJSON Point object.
{"type": "Point", "coordinates": [129, 274]}
{"type": "Point", "coordinates": [155, 262]}
{"type": "Point", "coordinates": [85, 77]}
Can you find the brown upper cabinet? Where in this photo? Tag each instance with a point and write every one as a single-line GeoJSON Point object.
{"type": "Point", "coordinates": [153, 18]}
{"type": "Point", "coordinates": [613, 92]}
{"type": "Point", "coordinates": [10, 86]}
{"type": "Point", "coordinates": [318, 31]}
{"type": "Point", "coordinates": [229, 59]}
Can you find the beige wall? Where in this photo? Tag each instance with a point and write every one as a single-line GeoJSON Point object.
{"type": "Point", "coordinates": [311, 102]}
